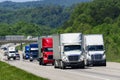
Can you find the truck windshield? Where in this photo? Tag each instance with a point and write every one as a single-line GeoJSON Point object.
{"type": "Point", "coordinates": [95, 48]}
{"type": "Point", "coordinates": [12, 52]}
{"type": "Point", "coordinates": [34, 51]}
{"type": "Point", "coordinates": [72, 47]}
{"type": "Point", "coordinates": [48, 49]}
{"type": "Point", "coordinates": [26, 51]}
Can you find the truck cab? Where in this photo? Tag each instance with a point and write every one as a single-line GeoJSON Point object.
{"type": "Point", "coordinates": [26, 52]}
{"type": "Point", "coordinates": [67, 50]}
{"type": "Point", "coordinates": [11, 53]}
{"type": "Point", "coordinates": [33, 51]}
{"type": "Point", "coordinates": [93, 48]}
{"type": "Point", "coordinates": [46, 53]}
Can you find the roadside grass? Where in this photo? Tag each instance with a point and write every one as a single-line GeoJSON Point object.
{"type": "Point", "coordinates": [19, 47]}
{"type": "Point", "coordinates": [8, 72]}
{"type": "Point", "coordinates": [113, 57]}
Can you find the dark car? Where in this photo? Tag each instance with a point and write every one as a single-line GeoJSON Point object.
{"type": "Point", "coordinates": [17, 55]}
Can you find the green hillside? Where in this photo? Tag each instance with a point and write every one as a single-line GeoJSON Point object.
{"type": "Point", "coordinates": [52, 16]}
{"type": "Point", "coordinates": [98, 17]}
{"type": "Point", "coordinates": [32, 4]}
{"type": "Point", "coordinates": [24, 28]}
{"type": "Point", "coordinates": [34, 17]}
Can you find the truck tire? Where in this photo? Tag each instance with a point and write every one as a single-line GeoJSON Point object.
{"type": "Point", "coordinates": [43, 64]}
{"type": "Point", "coordinates": [87, 63]}
{"type": "Point", "coordinates": [14, 58]}
{"type": "Point", "coordinates": [83, 65]}
{"type": "Point", "coordinates": [104, 64]}
{"type": "Point", "coordinates": [23, 57]}
{"type": "Point", "coordinates": [40, 63]}
{"type": "Point", "coordinates": [55, 64]}
{"type": "Point", "coordinates": [31, 60]}
{"type": "Point", "coordinates": [8, 58]}
{"type": "Point", "coordinates": [62, 65]}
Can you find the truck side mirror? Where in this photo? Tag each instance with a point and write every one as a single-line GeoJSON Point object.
{"type": "Point", "coordinates": [16, 50]}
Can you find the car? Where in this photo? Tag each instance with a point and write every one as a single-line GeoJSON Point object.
{"type": "Point", "coordinates": [17, 56]}
{"type": "Point", "coordinates": [5, 51]}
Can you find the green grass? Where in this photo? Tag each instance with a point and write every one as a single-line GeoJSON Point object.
{"type": "Point", "coordinates": [19, 47]}
{"type": "Point", "coordinates": [8, 72]}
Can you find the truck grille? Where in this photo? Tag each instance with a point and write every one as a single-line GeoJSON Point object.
{"type": "Point", "coordinates": [96, 57]}
{"type": "Point", "coordinates": [73, 58]}
{"type": "Point", "coordinates": [50, 57]}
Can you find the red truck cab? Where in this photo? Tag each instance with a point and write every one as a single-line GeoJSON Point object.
{"type": "Point", "coordinates": [46, 51]}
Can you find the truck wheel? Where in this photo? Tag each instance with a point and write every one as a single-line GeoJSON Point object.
{"type": "Point", "coordinates": [62, 65]}
{"type": "Point", "coordinates": [8, 58]}
{"type": "Point", "coordinates": [14, 58]}
{"type": "Point", "coordinates": [31, 60]}
{"type": "Point", "coordinates": [104, 64]}
{"type": "Point", "coordinates": [55, 64]}
{"type": "Point", "coordinates": [18, 58]}
{"type": "Point", "coordinates": [86, 63]}
{"type": "Point", "coordinates": [44, 64]}
{"type": "Point", "coordinates": [40, 61]}
{"type": "Point", "coordinates": [23, 57]}
{"type": "Point", "coordinates": [83, 65]}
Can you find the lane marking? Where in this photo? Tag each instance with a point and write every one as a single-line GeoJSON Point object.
{"type": "Point", "coordinates": [87, 75]}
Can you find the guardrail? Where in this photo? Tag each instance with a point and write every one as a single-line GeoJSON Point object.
{"type": "Point", "coordinates": [16, 39]}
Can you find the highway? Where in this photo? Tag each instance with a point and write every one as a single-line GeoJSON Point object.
{"type": "Point", "coordinates": [110, 72]}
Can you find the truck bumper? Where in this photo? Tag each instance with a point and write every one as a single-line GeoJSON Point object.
{"type": "Point", "coordinates": [27, 57]}
{"type": "Point", "coordinates": [11, 56]}
{"type": "Point", "coordinates": [72, 64]}
{"type": "Point", "coordinates": [97, 62]}
{"type": "Point", "coordinates": [49, 61]}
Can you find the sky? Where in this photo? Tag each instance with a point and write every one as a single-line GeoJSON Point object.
{"type": "Point", "coordinates": [18, 0]}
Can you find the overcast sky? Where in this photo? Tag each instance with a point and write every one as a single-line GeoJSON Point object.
{"type": "Point", "coordinates": [18, 0]}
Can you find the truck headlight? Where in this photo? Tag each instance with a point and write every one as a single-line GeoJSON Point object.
{"type": "Point", "coordinates": [81, 58]}
{"type": "Point", "coordinates": [64, 58]}
{"type": "Point", "coordinates": [89, 56]}
{"type": "Point", "coordinates": [104, 56]}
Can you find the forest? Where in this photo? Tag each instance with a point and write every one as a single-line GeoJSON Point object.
{"type": "Point", "coordinates": [34, 18]}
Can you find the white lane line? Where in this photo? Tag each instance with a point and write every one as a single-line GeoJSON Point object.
{"type": "Point", "coordinates": [88, 75]}
{"type": "Point", "coordinates": [110, 69]}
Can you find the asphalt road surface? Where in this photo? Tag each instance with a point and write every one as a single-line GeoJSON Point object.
{"type": "Point", "coordinates": [110, 72]}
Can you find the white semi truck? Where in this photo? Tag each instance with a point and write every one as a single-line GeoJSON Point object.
{"type": "Point", "coordinates": [93, 49]}
{"type": "Point", "coordinates": [11, 53]}
{"type": "Point", "coordinates": [67, 50]}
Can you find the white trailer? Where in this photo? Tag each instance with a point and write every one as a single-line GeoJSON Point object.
{"type": "Point", "coordinates": [67, 50]}
{"type": "Point", "coordinates": [11, 53]}
{"type": "Point", "coordinates": [93, 49]}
